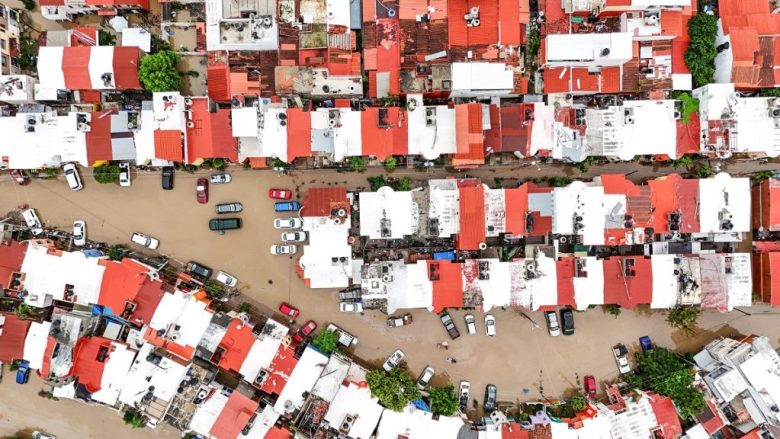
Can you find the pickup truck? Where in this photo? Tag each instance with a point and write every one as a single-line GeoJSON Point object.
{"type": "Point", "coordinates": [394, 321]}
{"type": "Point", "coordinates": [449, 325]}
{"type": "Point", "coordinates": [345, 338]}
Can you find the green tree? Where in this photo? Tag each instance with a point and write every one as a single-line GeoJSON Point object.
{"type": "Point", "coordinates": [769, 92]}
{"type": "Point", "coordinates": [560, 181]}
{"type": "Point", "coordinates": [690, 105]}
{"type": "Point", "coordinates": [401, 184]}
{"type": "Point", "coordinates": [664, 372]}
{"type": "Point", "coordinates": [28, 53]}
{"type": "Point", "coordinates": [683, 317]}
{"type": "Point", "coordinates": [29, 5]}
{"type": "Point", "coordinates": [326, 342]}
{"type": "Point", "coordinates": [395, 389]}
{"type": "Point", "coordinates": [245, 307]}
{"type": "Point", "coordinates": [683, 161]}
{"type": "Point", "coordinates": [701, 53]}
{"type": "Point", "coordinates": [443, 400]}
{"type": "Point", "coordinates": [761, 176]}
{"type": "Point", "coordinates": [158, 44]}
{"type": "Point", "coordinates": [213, 289]}
{"type": "Point", "coordinates": [578, 402]}
{"type": "Point", "coordinates": [157, 72]}
{"type": "Point", "coordinates": [106, 174]}
{"type": "Point", "coordinates": [23, 310]}
{"type": "Point", "coordinates": [106, 38]}
{"type": "Point", "coordinates": [390, 163]}
{"type": "Point", "coordinates": [701, 170]}
{"type": "Point", "coordinates": [356, 164]}
{"type": "Point", "coordinates": [117, 252]}
{"type": "Point", "coordinates": [377, 182]}
{"type": "Point", "coordinates": [613, 310]}
{"type": "Point", "coordinates": [134, 418]}
{"type": "Point", "coordinates": [219, 164]}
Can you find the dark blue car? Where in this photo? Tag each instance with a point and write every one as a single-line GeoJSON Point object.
{"type": "Point", "coordinates": [646, 343]}
{"type": "Point", "coordinates": [23, 373]}
{"type": "Point", "coordinates": [287, 206]}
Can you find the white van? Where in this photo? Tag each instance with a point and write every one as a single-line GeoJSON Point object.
{"type": "Point", "coordinates": [72, 177]}
{"type": "Point", "coordinates": [32, 221]}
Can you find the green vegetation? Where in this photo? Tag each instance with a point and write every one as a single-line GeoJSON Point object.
{"type": "Point", "coordinates": [134, 418]}
{"type": "Point", "coordinates": [683, 318]}
{"type": "Point", "coordinates": [23, 310]}
{"type": "Point", "coordinates": [357, 164]}
{"type": "Point", "coordinates": [245, 307]}
{"type": "Point", "coordinates": [326, 342]}
{"type": "Point", "coordinates": [106, 38]}
{"type": "Point", "coordinates": [158, 44]}
{"type": "Point", "coordinates": [106, 174]}
{"type": "Point", "coordinates": [388, 101]}
{"type": "Point", "coordinates": [390, 163]}
{"type": "Point", "coordinates": [684, 161]}
{"type": "Point", "coordinates": [533, 45]}
{"type": "Point", "coordinates": [29, 4]}
{"type": "Point", "coordinates": [398, 184]}
{"type": "Point", "coordinates": [761, 176]}
{"type": "Point", "coordinates": [700, 55]}
{"type": "Point", "coordinates": [578, 402]}
{"type": "Point", "coordinates": [28, 54]}
{"type": "Point", "coordinates": [690, 105]}
{"type": "Point", "coordinates": [560, 181]}
{"type": "Point", "coordinates": [117, 252]}
{"type": "Point", "coordinates": [443, 400]}
{"type": "Point", "coordinates": [395, 389]}
{"type": "Point", "coordinates": [213, 289]}
{"type": "Point", "coordinates": [613, 310]}
{"type": "Point", "coordinates": [157, 72]}
{"type": "Point", "coordinates": [663, 372]}
{"type": "Point", "coordinates": [769, 92]}
{"type": "Point", "coordinates": [701, 170]}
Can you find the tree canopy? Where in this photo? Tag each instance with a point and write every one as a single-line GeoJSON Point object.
{"type": "Point", "coordinates": [443, 400]}
{"type": "Point", "coordinates": [663, 372]}
{"type": "Point", "coordinates": [106, 174]}
{"type": "Point", "coordinates": [683, 317]}
{"type": "Point", "coordinates": [395, 389]}
{"type": "Point", "coordinates": [157, 72]}
{"type": "Point", "coordinates": [326, 342]}
{"type": "Point", "coordinates": [700, 55]}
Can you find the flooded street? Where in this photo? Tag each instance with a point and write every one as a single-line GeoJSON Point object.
{"type": "Point", "coordinates": [523, 361]}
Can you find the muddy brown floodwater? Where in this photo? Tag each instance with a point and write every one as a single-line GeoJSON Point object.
{"type": "Point", "coordinates": [524, 362]}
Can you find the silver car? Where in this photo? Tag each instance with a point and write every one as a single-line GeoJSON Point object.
{"type": "Point", "coordinates": [283, 249]}
{"type": "Point", "coordinates": [288, 223]}
{"type": "Point", "coordinates": [124, 174]}
{"type": "Point", "coordinates": [79, 233]}
{"type": "Point", "coordinates": [144, 240]}
{"type": "Point", "coordinates": [223, 177]}
{"type": "Point", "coordinates": [293, 236]}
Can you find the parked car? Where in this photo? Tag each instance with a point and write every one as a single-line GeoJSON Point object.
{"type": "Point", "coordinates": [32, 221]}
{"type": "Point", "coordinates": [449, 325]}
{"type": "Point", "coordinates": [463, 394]}
{"type": "Point", "coordinates": [146, 241]}
{"type": "Point", "coordinates": [567, 321]}
{"type": "Point", "coordinates": [305, 331]}
{"type": "Point", "coordinates": [471, 323]}
{"type": "Point", "coordinates": [283, 249]}
{"type": "Point", "coordinates": [23, 372]}
{"type": "Point", "coordinates": [124, 174]}
{"type": "Point", "coordinates": [425, 378]}
{"type": "Point", "coordinates": [293, 236]}
{"type": "Point", "coordinates": [72, 177]}
{"type": "Point", "coordinates": [491, 393]}
{"type": "Point", "coordinates": [167, 177]}
{"type": "Point", "coordinates": [228, 208]}
{"type": "Point", "coordinates": [289, 310]}
{"type": "Point", "coordinates": [646, 343]}
{"type": "Point", "coordinates": [589, 383]}
{"type": "Point", "coordinates": [394, 360]}
{"type": "Point", "coordinates": [279, 194]}
{"type": "Point", "coordinates": [288, 223]}
{"type": "Point", "coordinates": [79, 232]}
{"type": "Point", "coordinates": [202, 190]}
{"type": "Point", "coordinates": [287, 206]}
{"type": "Point", "coordinates": [349, 294]}
{"type": "Point", "coordinates": [41, 435]}
{"type": "Point", "coordinates": [226, 279]}
{"type": "Point", "coordinates": [351, 307]}
{"type": "Point", "coordinates": [221, 178]}
{"type": "Point", "coordinates": [19, 177]}
{"type": "Point", "coordinates": [220, 224]}
{"type": "Point", "coordinates": [620, 352]}
{"type": "Point", "coordinates": [552, 323]}
{"type": "Point", "coordinates": [199, 270]}
{"type": "Point", "coordinates": [395, 321]}
{"type": "Point", "coordinates": [490, 325]}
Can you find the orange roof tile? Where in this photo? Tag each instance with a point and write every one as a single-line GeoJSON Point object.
{"type": "Point", "coordinates": [582, 81]}
{"type": "Point", "coordinates": [219, 82]}
{"type": "Point", "coordinates": [121, 283]}
{"type": "Point", "coordinates": [211, 136]}
{"type": "Point", "coordinates": [510, 14]}
{"type": "Point", "coordinates": [628, 291]}
{"type": "Point", "coordinates": [565, 284]}
{"type": "Point", "coordinates": [99, 138]}
{"type": "Point", "coordinates": [168, 145]}
{"type": "Point", "coordinates": [556, 79]}
{"type": "Point", "coordinates": [469, 137]}
{"type": "Point", "coordinates": [11, 259]}
{"type": "Point", "coordinates": [234, 417]}
{"type": "Point", "coordinates": [279, 371]}
{"type": "Point", "coordinates": [472, 217]}
{"type": "Point", "coordinates": [516, 205]}
{"type": "Point", "coordinates": [447, 280]}
{"type": "Point", "coordinates": [321, 201]}
{"type": "Point", "coordinates": [75, 67]}
{"type": "Point", "coordinates": [298, 134]}
{"type": "Point", "coordinates": [610, 79]}
{"type": "Point", "coordinates": [744, 44]}
{"type": "Point", "coordinates": [388, 139]}
{"type": "Point", "coordinates": [125, 65]}
{"type": "Point", "coordinates": [236, 342]}
{"type": "Point", "coordinates": [12, 338]}
{"type": "Point", "coordinates": [86, 365]}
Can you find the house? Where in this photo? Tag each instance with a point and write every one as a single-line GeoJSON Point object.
{"type": "Point", "coordinates": [130, 290]}
{"type": "Point", "coordinates": [104, 68]}
{"type": "Point", "coordinates": [179, 322]}
{"type": "Point", "coordinates": [100, 367]}
{"type": "Point", "coordinates": [354, 411]}
{"type": "Point", "coordinates": [301, 381]}
{"type": "Point", "coordinates": [13, 333]}
{"type": "Point", "coordinates": [17, 89]}
{"type": "Point", "coordinates": [66, 10]}
{"type": "Point", "coordinates": [35, 344]}
{"type": "Point", "coordinates": [223, 414]}
{"type": "Point", "coordinates": [417, 424]}
{"type": "Point", "coordinates": [10, 49]}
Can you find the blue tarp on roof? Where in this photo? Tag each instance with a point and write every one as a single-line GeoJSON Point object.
{"type": "Point", "coordinates": [445, 256]}
{"type": "Point", "coordinates": [420, 404]}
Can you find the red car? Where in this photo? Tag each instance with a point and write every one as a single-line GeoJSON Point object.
{"type": "Point", "coordinates": [19, 177]}
{"type": "Point", "coordinates": [590, 386]}
{"type": "Point", "coordinates": [305, 331]}
{"type": "Point", "coordinates": [202, 189]}
{"type": "Point", "coordinates": [279, 194]}
{"type": "Point", "coordinates": [289, 310]}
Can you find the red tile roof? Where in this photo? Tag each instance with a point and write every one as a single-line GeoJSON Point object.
{"type": "Point", "coordinates": [126, 67]}
{"type": "Point", "coordinates": [83, 36]}
{"type": "Point", "coordinates": [666, 416]}
{"type": "Point", "coordinates": [582, 81]}
{"type": "Point", "coordinates": [744, 45]}
{"type": "Point", "coordinates": [298, 134]}
{"type": "Point", "coordinates": [279, 371]}
{"type": "Point", "coordinates": [510, 14]}
{"type": "Point", "coordinates": [121, 283]}
{"type": "Point", "coordinates": [183, 352]}
{"type": "Point", "coordinates": [51, 343]}
{"type": "Point", "coordinates": [52, 2]}
{"type": "Point", "coordinates": [516, 206]}
{"type": "Point", "coordinates": [236, 342]}
{"type": "Point", "coordinates": [86, 366]}
{"type": "Point", "coordinates": [611, 80]}
{"type": "Point", "coordinates": [447, 284]}
{"type": "Point", "coordinates": [321, 201]}
{"type": "Point", "coordinates": [469, 138]}
{"type": "Point", "coordinates": [211, 136]}
{"type": "Point", "coordinates": [234, 417]}
{"type": "Point", "coordinates": [11, 258]}
{"type": "Point", "coordinates": [219, 82]}
{"type": "Point", "coordinates": [168, 145]}
{"type": "Point", "coordinates": [493, 135]}
{"type": "Point", "coordinates": [565, 271]}
{"type": "Point", "coordinates": [384, 141]}
{"type": "Point", "coordinates": [484, 34]}
{"type": "Point", "coordinates": [146, 301]}
{"type": "Point", "coordinates": [628, 291]}
{"type": "Point", "coordinates": [99, 138]}
{"type": "Point", "coordinates": [14, 332]}
{"type": "Point", "coordinates": [472, 217]}
{"type": "Point", "coordinates": [75, 67]}
{"type": "Point", "coordinates": [688, 135]}
{"type": "Point", "coordinates": [767, 205]}
{"type": "Point", "coordinates": [556, 79]}
{"type": "Point", "coordinates": [542, 225]}
{"type": "Point", "coordinates": [665, 199]}
{"type": "Point", "coordinates": [715, 422]}
{"type": "Point", "coordinates": [513, 430]}
{"type": "Point", "coordinates": [278, 433]}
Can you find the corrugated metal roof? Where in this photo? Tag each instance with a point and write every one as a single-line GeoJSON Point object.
{"type": "Point", "coordinates": [279, 371]}
{"type": "Point", "coordinates": [625, 290]}
{"type": "Point", "coordinates": [12, 338]}
{"type": "Point", "coordinates": [211, 135]}
{"type": "Point", "coordinates": [86, 366]}
{"type": "Point", "coordinates": [219, 82]}
{"type": "Point", "coordinates": [126, 68]}
{"type": "Point", "coordinates": [472, 217]}
{"type": "Point", "coordinates": [99, 139]}
{"type": "Point", "coordinates": [11, 259]}
{"type": "Point", "coordinates": [744, 44]}
{"type": "Point", "coordinates": [470, 147]}
{"type": "Point", "coordinates": [298, 134]}
{"type": "Point", "coordinates": [236, 342]}
{"type": "Point", "coordinates": [235, 415]}
{"type": "Point", "coordinates": [516, 205]}
{"type": "Point", "coordinates": [75, 67]}
{"type": "Point", "coordinates": [565, 272]}
{"type": "Point", "coordinates": [321, 201]}
{"type": "Point", "coordinates": [447, 280]}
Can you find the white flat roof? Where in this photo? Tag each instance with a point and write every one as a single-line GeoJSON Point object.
{"type": "Point", "coordinates": [50, 74]}
{"type": "Point", "coordinates": [570, 48]}
{"type": "Point", "coordinates": [414, 423]}
{"type": "Point", "coordinates": [589, 290]}
{"type": "Point", "coordinates": [35, 343]}
{"type": "Point", "coordinates": [114, 374]}
{"type": "Point", "coordinates": [494, 289]}
{"type": "Point", "coordinates": [347, 137]}
{"type": "Point", "coordinates": [138, 37]}
{"type": "Point", "coordinates": [397, 209]}
{"type": "Point", "coordinates": [431, 135]}
{"type": "Point", "coordinates": [274, 134]}
{"type": "Point", "coordinates": [327, 240]}
{"type": "Point", "coordinates": [444, 205]}
{"type": "Point", "coordinates": [664, 282]}
{"type": "Point", "coordinates": [265, 420]}
{"type": "Point", "coordinates": [208, 412]}
{"type": "Point", "coordinates": [301, 380]}
{"type": "Point", "coordinates": [579, 201]}
{"type": "Point", "coordinates": [184, 310]}
{"type": "Point", "coordinates": [470, 78]}
{"type": "Point", "coordinates": [165, 377]}
{"type": "Point", "coordinates": [331, 378]}
{"type": "Point", "coordinates": [355, 400]}
{"type": "Point", "coordinates": [724, 198]}
{"type": "Point", "coordinates": [54, 140]}
{"type": "Point", "coordinates": [264, 349]}
{"type": "Point", "coordinates": [410, 287]}
{"type": "Point", "coordinates": [45, 276]}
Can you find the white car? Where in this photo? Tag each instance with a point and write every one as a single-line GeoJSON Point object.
{"type": "Point", "coordinates": [620, 353]}
{"type": "Point", "coordinates": [288, 223]}
{"type": "Point", "coordinates": [79, 233]}
{"type": "Point", "coordinates": [283, 249]}
{"type": "Point", "coordinates": [552, 323]}
{"type": "Point", "coordinates": [221, 178]}
{"type": "Point", "coordinates": [72, 177]}
{"type": "Point", "coordinates": [124, 174]}
{"type": "Point", "coordinates": [490, 325]}
{"type": "Point", "coordinates": [394, 360]}
{"type": "Point", "coordinates": [471, 323]}
{"type": "Point", "coordinates": [463, 394]}
{"type": "Point", "coordinates": [144, 240]}
{"type": "Point", "coordinates": [41, 435]}
{"type": "Point", "coordinates": [32, 221]}
{"type": "Point", "coordinates": [226, 279]}
{"type": "Point", "coordinates": [293, 236]}
{"type": "Point", "coordinates": [350, 307]}
{"type": "Point", "coordinates": [425, 378]}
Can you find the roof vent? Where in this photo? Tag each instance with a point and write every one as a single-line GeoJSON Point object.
{"type": "Point", "coordinates": [605, 51]}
